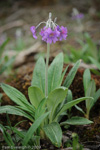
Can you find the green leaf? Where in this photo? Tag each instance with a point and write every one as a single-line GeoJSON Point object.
{"type": "Point", "coordinates": [92, 46]}
{"type": "Point", "coordinates": [54, 98]}
{"type": "Point", "coordinates": [66, 100]}
{"type": "Point", "coordinates": [35, 95]}
{"type": "Point", "coordinates": [62, 76]}
{"type": "Point", "coordinates": [76, 121]}
{"type": "Point", "coordinates": [3, 46]}
{"type": "Point", "coordinates": [38, 78]}
{"type": "Point", "coordinates": [90, 92]}
{"type": "Point", "coordinates": [84, 50]}
{"type": "Point", "coordinates": [19, 133]}
{"type": "Point", "coordinates": [80, 109]}
{"type": "Point", "coordinates": [13, 110]}
{"type": "Point", "coordinates": [96, 96]}
{"type": "Point", "coordinates": [95, 62]}
{"type": "Point", "coordinates": [0, 96]}
{"type": "Point", "coordinates": [69, 96]}
{"type": "Point", "coordinates": [71, 75]}
{"type": "Point", "coordinates": [54, 133]}
{"type": "Point", "coordinates": [16, 96]}
{"type": "Point", "coordinates": [32, 113]}
{"type": "Point", "coordinates": [7, 136]}
{"type": "Point", "coordinates": [7, 64]}
{"type": "Point", "coordinates": [19, 123]}
{"type": "Point", "coordinates": [86, 79]}
{"type": "Point", "coordinates": [66, 59]}
{"type": "Point", "coordinates": [70, 104]}
{"type": "Point", "coordinates": [97, 72]}
{"type": "Point", "coordinates": [33, 128]}
{"type": "Point", "coordinates": [41, 109]}
{"type": "Point", "coordinates": [54, 72]}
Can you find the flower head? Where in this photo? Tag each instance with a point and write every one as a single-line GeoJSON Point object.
{"type": "Point", "coordinates": [51, 32]}
{"type": "Point", "coordinates": [33, 30]}
{"type": "Point", "coordinates": [50, 36]}
{"type": "Point", "coordinates": [78, 16]}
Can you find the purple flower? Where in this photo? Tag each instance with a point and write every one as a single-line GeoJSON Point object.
{"type": "Point", "coordinates": [33, 30]}
{"type": "Point", "coordinates": [63, 33]}
{"type": "Point", "coordinates": [42, 31]}
{"type": "Point", "coordinates": [50, 35]}
{"type": "Point", "coordinates": [78, 16]}
{"type": "Point", "coordinates": [58, 28]}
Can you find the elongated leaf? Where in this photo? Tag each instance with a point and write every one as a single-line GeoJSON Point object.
{"type": "Point", "coordinates": [3, 46]}
{"type": "Point", "coordinates": [84, 50]}
{"type": "Point", "coordinates": [38, 78]}
{"type": "Point", "coordinates": [7, 136]}
{"type": "Point", "coordinates": [35, 95]}
{"type": "Point", "coordinates": [59, 107]}
{"type": "Point", "coordinates": [62, 76]}
{"type": "Point", "coordinates": [19, 123]}
{"type": "Point", "coordinates": [54, 72]}
{"type": "Point", "coordinates": [0, 98]}
{"type": "Point", "coordinates": [95, 62]}
{"type": "Point", "coordinates": [32, 113]}
{"type": "Point", "coordinates": [95, 72]}
{"type": "Point", "coordinates": [7, 64]}
{"type": "Point", "coordinates": [13, 110]}
{"type": "Point", "coordinates": [76, 121]}
{"type": "Point", "coordinates": [86, 79]}
{"type": "Point", "coordinates": [91, 45]}
{"type": "Point", "coordinates": [19, 133]}
{"type": "Point", "coordinates": [16, 96]}
{"type": "Point", "coordinates": [70, 104]}
{"type": "Point", "coordinates": [33, 128]}
{"type": "Point", "coordinates": [67, 99]}
{"type": "Point", "coordinates": [90, 92]}
{"type": "Point", "coordinates": [96, 96]}
{"type": "Point", "coordinates": [41, 109]}
{"type": "Point", "coordinates": [80, 109]}
{"type": "Point", "coordinates": [69, 96]}
{"type": "Point", "coordinates": [71, 75]}
{"type": "Point", "coordinates": [54, 133]}
{"type": "Point", "coordinates": [54, 98]}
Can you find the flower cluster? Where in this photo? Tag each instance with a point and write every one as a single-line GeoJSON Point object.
{"type": "Point", "coordinates": [51, 32]}
{"type": "Point", "coordinates": [78, 16]}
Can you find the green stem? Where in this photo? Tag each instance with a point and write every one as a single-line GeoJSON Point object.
{"type": "Point", "coordinates": [46, 70]}
{"type": "Point", "coordinates": [87, 114]}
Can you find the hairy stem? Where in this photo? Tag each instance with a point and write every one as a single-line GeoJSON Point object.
{"type": "Point", "coordinates": [46, 70]}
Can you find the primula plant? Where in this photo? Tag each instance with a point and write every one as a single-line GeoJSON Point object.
{"type": "Point", "coordinates": [89, 90]}
{"type": "Point", "coordinates": [50, 33]}
{"type": "Point", "coordinates": [48, 97]}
